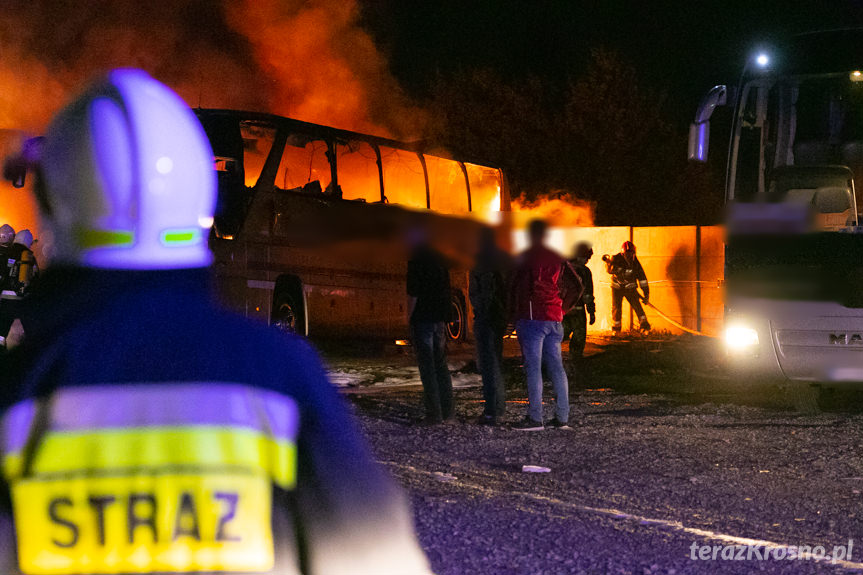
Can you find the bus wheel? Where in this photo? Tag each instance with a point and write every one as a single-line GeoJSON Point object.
{"type": "Point", "coordinates": [455, 327]}
{"type": "Point", "coordinates": [288, 315]}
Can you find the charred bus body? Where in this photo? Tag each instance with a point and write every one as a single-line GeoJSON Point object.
{"type": "Point", "coordinates": [311, 223]}
{"type": "Point", "coordinates": [794, 251]}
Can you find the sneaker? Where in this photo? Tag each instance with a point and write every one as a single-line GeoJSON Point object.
{"type": "Point", "coordinates": [528, 424]}
{"type": "Point", "coordinates": [558, 424]}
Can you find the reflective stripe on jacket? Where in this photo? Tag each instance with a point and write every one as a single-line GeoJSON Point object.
{"type": "Point", "coordinates": [145, 430]}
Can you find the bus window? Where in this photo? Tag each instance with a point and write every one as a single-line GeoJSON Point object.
{"type": "Point", "coordinates": [358, 171]}
{"type": "Point", "coordinates": [404, 180]}
{"type": "Point", "coordinates": [485, 186]}
{"type": "Point", "coordinates": [447, 186]}
{"type": "Point", "coordinates": [257, 140]}
{"type": "Point", "coordinates": [304, 162]}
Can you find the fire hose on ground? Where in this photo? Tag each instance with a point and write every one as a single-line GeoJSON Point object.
{"type": "Point", "coordinates": [671, 321]}
{"type": "Point", "coordinates": [659, 312]}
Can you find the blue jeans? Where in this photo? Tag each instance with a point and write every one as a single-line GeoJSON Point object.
{"type": "Point", "coordinates": [429, 341]}
{"type": "Point", "coordinates": [540, 346]}
{"type": "Point", "coordinates": [489, 351]}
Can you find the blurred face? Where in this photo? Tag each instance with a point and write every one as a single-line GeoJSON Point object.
{"type": "Point", "coordinates": [628, 254]}
{"type": "Point", "coordinates": [6, 238]}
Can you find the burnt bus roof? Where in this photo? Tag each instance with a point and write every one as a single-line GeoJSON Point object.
{"type": "Point", "coordinates": [337, 134]}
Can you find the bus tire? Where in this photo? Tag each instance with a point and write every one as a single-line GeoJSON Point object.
{"type": "Point", "coordinates": [289, 313]}
{"type": "Point", "coordinates": [456, 328]}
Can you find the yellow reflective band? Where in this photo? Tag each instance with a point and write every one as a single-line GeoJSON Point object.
{"type": "Point", "coordinates": [12, 464]}
{"type": "Point", "coordinates": [104, 238]}
{"type": "Point", "coordinates": [138, 524]}
{"type": "Point", "coordinates": [181, 237]}
{"type": "Point", "coordinates": [112, 450]}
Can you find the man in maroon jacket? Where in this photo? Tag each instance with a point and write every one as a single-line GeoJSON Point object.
{"type": "Point", "coordinates": [537, 308]}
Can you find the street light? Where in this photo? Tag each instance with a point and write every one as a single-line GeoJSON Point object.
{"type": "Point", "coordinates": [762, 60]}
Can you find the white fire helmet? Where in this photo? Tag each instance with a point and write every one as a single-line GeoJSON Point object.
{"type": "Point", "coordinates": [25, 238]}
{"type": "Point", "coordinates": [128, 179]}
{"type": "Point", "coordinates": [7, 234]}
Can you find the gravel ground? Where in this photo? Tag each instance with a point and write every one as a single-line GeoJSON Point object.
{"type": "Point", "coordinates": [661, 457]}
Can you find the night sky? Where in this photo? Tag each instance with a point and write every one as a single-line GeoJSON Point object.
{"type": "Point", "coordinates": [681, 47]}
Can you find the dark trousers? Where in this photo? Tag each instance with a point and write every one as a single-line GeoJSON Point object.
{"type": "Point", "coordinates": [575, 329]}
{"type": "Point", "coordinates": [489, 352]}
{"type": "Point", "coordinates": [429, 341]}
{"type": "Point", "coordinates": [631, 296]}
{"type": "Point", "coordinates": [10, 310]}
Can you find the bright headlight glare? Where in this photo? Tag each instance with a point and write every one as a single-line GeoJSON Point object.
{"type": "Point", "coordinates": [739, 337]}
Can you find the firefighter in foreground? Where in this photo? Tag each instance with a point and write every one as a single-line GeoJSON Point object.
{"type": "Point", "coordinates": [627, 276]}
{"type": "Point", "coordinates": [21, 270]}
{"type": "Point", "coordinates": [146, 430]}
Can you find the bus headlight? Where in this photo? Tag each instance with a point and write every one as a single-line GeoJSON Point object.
{"type": "Point", "coordinates": [738, 338]}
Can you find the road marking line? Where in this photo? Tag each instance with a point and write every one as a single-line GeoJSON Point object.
{"type": "Point", "coordinates": [642, 520]}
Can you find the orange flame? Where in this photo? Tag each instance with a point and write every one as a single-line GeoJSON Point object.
{"type": "Point", "coordinates": [558, 208]}
{"type": "Point", "coordinates": [308, 60]}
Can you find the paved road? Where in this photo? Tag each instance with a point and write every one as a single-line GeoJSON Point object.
{"type": "Point", "coordinates": [661, 460]}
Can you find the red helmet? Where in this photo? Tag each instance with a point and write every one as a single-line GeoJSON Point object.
{"type": "Point", "coordinates": [629, 247]}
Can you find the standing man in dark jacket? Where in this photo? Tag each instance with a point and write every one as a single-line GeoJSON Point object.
{"type": "Point", "coordinates": [575, 320]}
{"type": "Point", "coordinates": [627, 276]}
{"type": "Point", "coordinates": [429, 294]}
{"type": "Point", "coordinates": [537, 308]}
{"type": "Point", "coordinates": [488, 297]}
{"type": "Point", "coordinates": [138, 437]}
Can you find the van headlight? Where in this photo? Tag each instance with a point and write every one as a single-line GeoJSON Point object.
{"type": "Point", "coordinates": [738, 338]}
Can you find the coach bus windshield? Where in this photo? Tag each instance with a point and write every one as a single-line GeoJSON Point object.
{"type": "Point", "coordinates": [801, 121]}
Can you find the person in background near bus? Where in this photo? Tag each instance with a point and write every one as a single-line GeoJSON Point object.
{"type": "Point", "coordinates": [429, 293]}
{"type": "Point", "coordinates": [575, 320]}
{"type": "Point", "coordinates": [137, 436]}
{"type": "Point", "coordinates": [21, 271]}
{"type": "Point", "coordinates": [536, 306]}
{"type": "Point", "coordinates": [627, 276]}
{"type": "Point", "coordinates": [7, 236]}
{"type": "Point", "coordinates": [488, 297]}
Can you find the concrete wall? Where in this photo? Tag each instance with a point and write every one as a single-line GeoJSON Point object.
{"type": "Point", "coordinates": [684, 265]}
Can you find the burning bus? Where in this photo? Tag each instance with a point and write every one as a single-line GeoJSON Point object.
{"type": "Point", "coordinates": [794, 249]}
{"type": "Point", "coordinates": [310, 222]}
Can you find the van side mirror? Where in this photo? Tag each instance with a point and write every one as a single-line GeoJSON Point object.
{"type": "Point", "coordinates": [699, 131]}
{"type": "Point", "coordinates": [699, 141]}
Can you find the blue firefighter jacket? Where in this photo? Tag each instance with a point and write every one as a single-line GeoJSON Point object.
{"type": "Point", "coordinates": [145, 430]}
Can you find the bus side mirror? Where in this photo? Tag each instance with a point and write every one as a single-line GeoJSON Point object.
{"type": "Point", "coordinates": [699, 141]}
{"type": "Point", "coordinates": [699, 131]}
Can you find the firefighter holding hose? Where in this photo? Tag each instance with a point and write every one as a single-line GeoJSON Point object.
{"type": "Point", "coordinates": [627, 275]}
